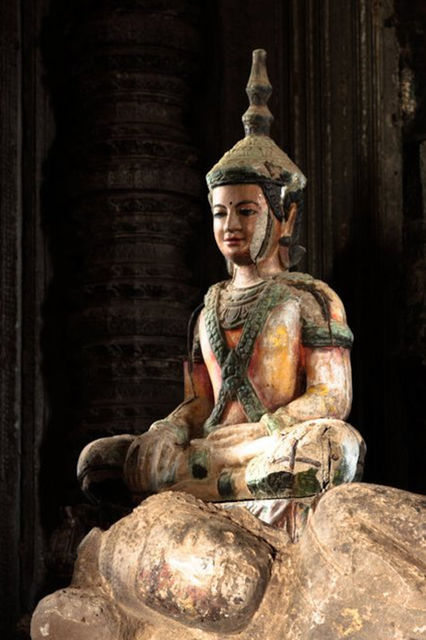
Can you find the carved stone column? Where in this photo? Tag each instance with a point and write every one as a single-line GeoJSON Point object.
{"type": "Point", "coordinates": [134, 190]}
{"type": "Point", "coordinates": [10, 315]}
{"type": "Point", "coordinates": [25, 135]}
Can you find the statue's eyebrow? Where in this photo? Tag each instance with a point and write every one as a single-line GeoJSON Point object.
{"type": "Point", "coordinates": [217, 204]}
{"type": "Point", "coordinates": [247, 202]}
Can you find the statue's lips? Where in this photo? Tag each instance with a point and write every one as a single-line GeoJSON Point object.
{"type": "Point", "coordinates": [233, 242]}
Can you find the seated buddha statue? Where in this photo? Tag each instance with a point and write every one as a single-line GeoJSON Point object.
{"type": "Point", "coordinates": [268, 383]}
{"type": "Point", "coordinates": [268, 390]}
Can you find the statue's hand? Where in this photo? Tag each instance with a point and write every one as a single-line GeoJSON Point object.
{"type": "Point", "coordinates": [152, 457]}
{"type": "Point", "coordinates": [234, 445]}
{"type": "Point", "coordinates": [167, 428]}
{"type": "Point", "coordinates": [236, 434]}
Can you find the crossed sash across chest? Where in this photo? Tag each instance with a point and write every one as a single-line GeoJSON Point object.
{"type": "Point", "coordinates": [234, 384]}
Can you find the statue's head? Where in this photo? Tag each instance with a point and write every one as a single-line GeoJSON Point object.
{"type": "Point", "coordinates": [255, 188]}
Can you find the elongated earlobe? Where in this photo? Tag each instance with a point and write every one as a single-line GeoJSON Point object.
{"type": "Point", "coordinates": [287, 228]}
{"type": "Point", "coordinates": [284, 258]}
{"type": "Point", "coordinates": [287, 225]}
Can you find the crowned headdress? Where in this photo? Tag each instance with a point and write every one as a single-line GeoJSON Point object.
{"type": "Point", "coordinates": [256, 158]}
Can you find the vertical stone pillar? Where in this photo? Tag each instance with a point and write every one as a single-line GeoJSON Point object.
{"type": "Point", "coordinates": [410, 19]}
{"type": "Point", "coordinates": [10, 314]}
{"type": "Point", "coordinates": [134, 194]}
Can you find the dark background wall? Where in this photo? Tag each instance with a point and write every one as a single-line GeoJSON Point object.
{"type": "Point", "coordinates": [111, 112]}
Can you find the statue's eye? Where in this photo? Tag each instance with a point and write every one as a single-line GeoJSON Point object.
{"type": "Point", "coordinates": [218, 213]}
{"type": "Point", "coordinates": [247, 212]}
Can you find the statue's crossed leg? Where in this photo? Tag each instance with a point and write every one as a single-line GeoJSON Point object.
{"type": "Point", "coordinates": [308, 459]}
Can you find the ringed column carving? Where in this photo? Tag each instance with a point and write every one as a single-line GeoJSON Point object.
{"type": "Point", "coordinates": [134, 193]}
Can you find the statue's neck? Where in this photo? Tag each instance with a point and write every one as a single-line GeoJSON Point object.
{"type": "Point", "coordinates": [248, 275]}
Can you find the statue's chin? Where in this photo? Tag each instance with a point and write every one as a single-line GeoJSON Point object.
{"type": "Point", "coordinates": [240, 261]}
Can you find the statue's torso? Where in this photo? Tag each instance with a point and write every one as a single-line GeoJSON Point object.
{"type": "Point", "coordinates": [276, 364]}
{"type": "Point", "coordinates": [287, 316]}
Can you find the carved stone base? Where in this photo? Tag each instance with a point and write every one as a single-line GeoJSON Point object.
{"type": "Point", "coordinates": [179, 569]}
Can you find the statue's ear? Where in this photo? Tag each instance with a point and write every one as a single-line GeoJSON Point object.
{"type": "Point", "coordinates": [288, 223]}
{"type": "Point", "coordinates": [287, 228]}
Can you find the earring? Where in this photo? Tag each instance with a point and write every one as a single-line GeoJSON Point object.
{"type": "Point", "coordinates": [285, 241]}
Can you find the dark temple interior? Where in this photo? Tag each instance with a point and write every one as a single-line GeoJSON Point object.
{"type": "Point", "coordinates": [111, 114]}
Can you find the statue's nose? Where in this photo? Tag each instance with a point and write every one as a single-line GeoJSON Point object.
{"type": "Point", "coordinates": [232, 222]}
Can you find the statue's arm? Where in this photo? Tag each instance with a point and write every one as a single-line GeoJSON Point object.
{"type": "Point", "coordinates": [188, 418]}
{"type": "Point", "coordinates": [325, 360]}
{"type": "Point", "coordinates": [328, 391]}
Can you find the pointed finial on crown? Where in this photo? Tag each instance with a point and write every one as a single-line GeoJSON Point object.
{"type": "Point", "coordinates": [257, 119]}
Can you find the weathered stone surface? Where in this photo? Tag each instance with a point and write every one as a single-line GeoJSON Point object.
{"type": "Point", "coordinates": [177, 568]}
{"type": "Point", "coordinates": [361, 566]}
{"type": "Point", "coordinates": [200, 569]}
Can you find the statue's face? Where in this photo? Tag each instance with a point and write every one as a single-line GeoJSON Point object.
{"type": "Point", "coordinates": [241, 218]}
